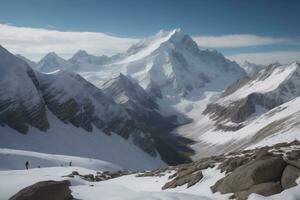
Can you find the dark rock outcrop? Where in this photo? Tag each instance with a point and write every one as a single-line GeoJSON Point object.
{"type": "Point", "coordinates": [45, 190]}
{"type": "Point", "coordinates": [189, 179]}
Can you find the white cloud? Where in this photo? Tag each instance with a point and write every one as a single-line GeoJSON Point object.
{"type": "Point", "coordinates": [35, 43]}
{"type": "Point", "coordinates": [238, 40]}
{"type": "Point", "coordinates": [267, 57]}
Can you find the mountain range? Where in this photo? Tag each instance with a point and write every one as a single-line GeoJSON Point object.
{"type": "Point", "coordinates": [164, 95]}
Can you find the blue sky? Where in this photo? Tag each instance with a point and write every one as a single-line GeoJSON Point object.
{"type": "Point", "coordinates": [231, 26]}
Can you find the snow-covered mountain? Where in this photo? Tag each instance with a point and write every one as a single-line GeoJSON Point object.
{"type": "Point", "coordinates": [131, 111]}
{"type": "Point", "coordinates": [88, 62]}
{"type": "Point", "coordinates": [251, 68]}
{"type": "Point", "coordinates": [72, 99]}
{"type": "Point", "coordinates": [171, 68]}
{"type": "Point", "coordinates": [52, 62]}
{"type": "Point", "coordinates": [267, 89]}
{"type": "Point", "coordinates": [44, 100]}
{"type": "Point", "coordinates": [172, 62]}
{"type": "Point", "coordinates": [127, 92]}
{"type": "Point", "coordinates": [256, 110]}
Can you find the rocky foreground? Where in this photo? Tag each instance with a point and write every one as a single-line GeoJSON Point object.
{"type": "Point", "coordinates": [265, 171]}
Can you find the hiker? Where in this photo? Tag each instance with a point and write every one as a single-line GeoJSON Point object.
{"type": "Point", "coordinates": [26, 165]}
{"type": "Point", "coordinates": [70, 163]}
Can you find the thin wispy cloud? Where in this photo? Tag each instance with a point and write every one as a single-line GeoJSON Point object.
{"type": "Point", "coordinates": [35, 43]}
{"type": "Point", "coordinates": [267, 57]}
{"type": "Point", "coordinates": [239, 40]}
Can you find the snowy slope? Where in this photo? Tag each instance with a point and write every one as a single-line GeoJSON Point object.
{"type": "Point", "coordinates": [66, 139]}
{"type": "Point", "coordinates": [12, 159]}
{"type": "Point", "coordinates": [280, 124]}
{"type": "Point", "coordinates": [283, 80]}
{"type": "Point", "coordinates": [52, 62]}
{"type": "Point", "coordinates": [127, 187]}
{"type": "Point", "coordinates": [250, 96]}
{"type": "Point", "coordinates": [254, 111]}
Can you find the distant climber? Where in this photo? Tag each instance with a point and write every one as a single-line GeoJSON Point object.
{"type": "Point", "coordinates": [70, 163]}
{"type": "Point", "coordinates": [27, 165]}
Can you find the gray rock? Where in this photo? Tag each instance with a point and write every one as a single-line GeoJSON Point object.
{"type": "Point", "coordinates": [295, 163]}
{"type": "Point", "coordinates": [189, 179]}
{"type": "Point", "coordinates": [45, 190]}
{"type": "Point", "coordinates": [289, 176]}
{"type": "Point", "coordinates": [88, 177]}
{"type": "Point", "coordinates": [258, 171]}
{"type": "Point", "coordinates": [264, 189]}
{"type": "Point", "coordinates": [75, 173]}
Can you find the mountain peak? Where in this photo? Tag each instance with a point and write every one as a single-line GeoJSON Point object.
{"type": "Point", "coordinates": [81, 53]}
{"type": "Point", "coordinates": [51, 55]}
{"type": "Point", "coordinates": [52, 62]}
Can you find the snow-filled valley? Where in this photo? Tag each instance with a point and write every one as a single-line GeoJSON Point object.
{"type": "Point", "coordinates": [163, 120]}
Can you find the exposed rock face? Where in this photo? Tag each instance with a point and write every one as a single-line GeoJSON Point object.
{"type": "Point", "coordinates": [239, 111]}
{"type": "Point", "coordinates": [74, 100]}
{"type": "Point", "coordinates": [21, 103]}
{"type": "Point", "coordinates": [153, 128]}
{"type": "Point", "coordinates": [45, 190]}
{"type": "Point", "coordinates": [289, 176]}
{"type": "Point", "coordinates": [141, 106]}
{"type": "Point", "coordinates": [243, 98]}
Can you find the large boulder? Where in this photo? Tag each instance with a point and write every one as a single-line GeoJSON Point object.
{"type": "Point", "coordinates": [265, 189]}
{"type": "Point", "coordinates": [266, 169]}
{"type": "Point", "coordinates": [45, 190]}
{"type": "Point", "coordinates": [289, 176]}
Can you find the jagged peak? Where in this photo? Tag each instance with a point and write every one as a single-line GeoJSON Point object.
{"type": "Point", "coordinates": [51, 54]}
{"type": "Point", "coordinates": [81, 53]}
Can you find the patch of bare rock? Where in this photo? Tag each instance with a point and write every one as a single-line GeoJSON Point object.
{"type": "Point", "coordinates": [99, 176]}
{"type": "Point", "coordinates": [265, 171]}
